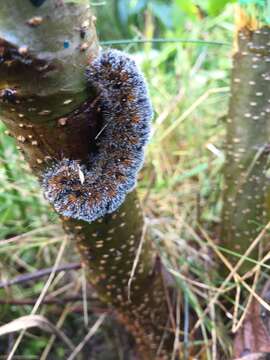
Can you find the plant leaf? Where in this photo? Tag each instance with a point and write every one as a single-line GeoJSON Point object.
{"type": "Point", "coordinates": [188, 7]}
{"type": "Point", "coordinates": [215, 7]}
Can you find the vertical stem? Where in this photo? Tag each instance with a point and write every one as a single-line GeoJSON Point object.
{"type": "Point", "coordinates": [247, 189]}
{"type": "Point", "coordinates": [53, 115]}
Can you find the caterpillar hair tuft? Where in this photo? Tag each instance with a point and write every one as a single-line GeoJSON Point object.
{"type": "Point", "coordinates": [89, 190]}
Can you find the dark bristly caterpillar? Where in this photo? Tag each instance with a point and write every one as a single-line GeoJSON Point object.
{"type": "Point", "coordinates": [88, 191]}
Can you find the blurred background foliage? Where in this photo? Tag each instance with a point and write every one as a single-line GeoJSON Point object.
{"type": "Point", "coordinates": [187, 71]}
{"type": "Point", "coordinates": [120, 18]}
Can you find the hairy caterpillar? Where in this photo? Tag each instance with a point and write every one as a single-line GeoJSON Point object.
{"type": "Point", "coordinates": [90, 190]}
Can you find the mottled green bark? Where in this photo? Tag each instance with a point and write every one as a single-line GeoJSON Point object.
{"type": "Point", "coordinates": [247, 189]}
{"type": "Point", "coordinates": [52, 115]}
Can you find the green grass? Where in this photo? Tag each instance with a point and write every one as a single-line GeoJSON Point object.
{"type": "Point", "coordinates": [180, 185]}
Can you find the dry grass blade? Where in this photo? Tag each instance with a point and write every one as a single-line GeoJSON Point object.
{"type": "Point", "coordinates": [237, 277]}
{"type": "Point", "coordinates": [91, 332]}
{"type": "Point", "coordinates": [233, 271]}
{"type": "Point", "coordinates": [173, 104]}
{"type": "Point", "coordinates": [253, 337]}
{"type": "Point", "coordinates": [85, 302]}
{"type": "Point", "coordinates": [59, 324]}
{"type": "Point", "coordinates": [236, 304]}
{"type": "Point", "coordinates": [136, 260]}
{"type": "Point", "coordinates": [30, 321]}
{"type": "Point", "coordinates": [177, 344]}
{"type": "Point", "coordinates": [29, 234]}
{"type": "Point", "coordinates": [41, 296]}
{"type": "Point", "coordinates": [237, 325]}
{"type": "Point", "coordinates": [189, 111]}
{"type": "Point", "coordinates": [214, 332]}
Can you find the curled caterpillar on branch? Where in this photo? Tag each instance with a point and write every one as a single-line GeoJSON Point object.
{"type": "Point", "coordinates": [91, 190]}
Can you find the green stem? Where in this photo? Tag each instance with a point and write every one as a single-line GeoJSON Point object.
{"type": "Point", "coordinates": [53, 116]}
{"type": "Point", "coordinates": [157, 41]}
{"type": "Point", "coordinates": [247, 188]}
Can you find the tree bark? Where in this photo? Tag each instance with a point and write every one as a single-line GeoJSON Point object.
{"type": "Point", "coordinates": [48, 108]}
{"type": "Point", "coordinates": [247, 189]}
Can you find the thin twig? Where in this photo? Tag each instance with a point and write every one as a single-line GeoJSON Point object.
{"type": "Point", "coordinates": [38, 274]}
{"type": "Point", "coordinates": [47, 301]}
{"type": "Point", "coordinates": [22, 237]}
{"type": "Point", "coordinates": [23, 302]}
